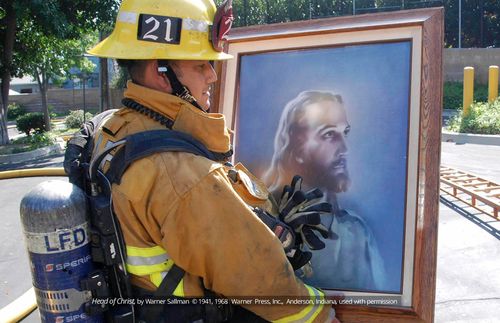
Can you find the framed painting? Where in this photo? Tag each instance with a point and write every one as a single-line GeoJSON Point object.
{"type": "Point", "coordinates": [353, 105]}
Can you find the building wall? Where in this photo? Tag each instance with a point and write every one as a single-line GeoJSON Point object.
{"type": "Point", "coordinates": [64, 100]}
{"type": "Point", "coordinates": [23, 87]}
{"type": "Point", "coordinates": [480, 58]}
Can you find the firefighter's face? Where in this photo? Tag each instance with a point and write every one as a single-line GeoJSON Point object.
{"type": "Point", "coordinates": [323, 152]}
{"type": "Point", "coordinates": [197, 76]}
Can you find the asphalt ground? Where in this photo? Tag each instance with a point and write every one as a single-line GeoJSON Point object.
{"type": "Point", "coordinates": [468, 265]}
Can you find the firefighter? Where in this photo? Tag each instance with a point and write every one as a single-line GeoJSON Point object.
{"type": "Point", "coordinates": [177, 209]}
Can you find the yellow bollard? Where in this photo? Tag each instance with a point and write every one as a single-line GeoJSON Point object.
{"type": "Point", "coordinates": [493, 83]}
{"type": "Point", "coordinates": [468, 88]}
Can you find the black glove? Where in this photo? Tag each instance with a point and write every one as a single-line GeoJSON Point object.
{"type": "Point", "coordinates": [286, 235]}
{"type": "Point", "coordinates": [301, 211]}
{"type": "Point", "coordinates": [298, 258]}
{"type": "Point", "coordinates": [282, 231]}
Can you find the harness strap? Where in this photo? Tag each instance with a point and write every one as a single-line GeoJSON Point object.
{"type": "Point", "coordinates": [146, 143]}
{"type": "Point", "coordinates": [170, 282]}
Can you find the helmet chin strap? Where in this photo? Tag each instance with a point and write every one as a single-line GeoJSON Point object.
{"type": "Point", "coordinates": [178, 89]}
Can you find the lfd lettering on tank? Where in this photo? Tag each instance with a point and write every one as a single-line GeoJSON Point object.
{"type": "Point", "coordinates": [60, 240]}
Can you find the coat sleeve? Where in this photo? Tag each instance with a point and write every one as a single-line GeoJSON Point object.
{"type": "Point", "coordinates": [213, 234]}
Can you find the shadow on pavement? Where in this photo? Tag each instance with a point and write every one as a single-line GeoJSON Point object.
{"type": "Point", "coordinates": [49, 161]}
{"type": "Point", "coordinates": [474, 218]}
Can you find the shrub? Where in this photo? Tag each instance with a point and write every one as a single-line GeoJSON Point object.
{"type": "Point", "coordinates": [75, 119]}
{"type": "Point", "coordinates": [483, 118]}
{"type": "Point", "coordinates": [39, 140]}
{"type": "Point", "coordinates": [52, 112]}
{"type": "Point", "coordinates": [36, 141]}
{"type": "Point", "coordinates": [31, 121]}
{"type": "Point", "coordinates": [14, 111]}
{"type": "Point", "coordinates": [453, 94]}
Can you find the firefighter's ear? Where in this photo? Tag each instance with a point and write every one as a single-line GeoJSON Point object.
{"type": "Point", "coordinates": [154, 79]}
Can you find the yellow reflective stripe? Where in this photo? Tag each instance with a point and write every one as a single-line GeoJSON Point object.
{"type": "Point", "coordinates": [179, 290]}
{"type": "Point", "coordinates": [145, 252]}
{"type": "Point", "coordinates": [145, 261]}
{"type": "Point", "coordinates": [149, 269]}
{"type": "Point", "coordinates": [157, 278]}
{"type": "Point", "coordinates": [310, 312]}
{"type": "Point", "coordinates": [154, 262]}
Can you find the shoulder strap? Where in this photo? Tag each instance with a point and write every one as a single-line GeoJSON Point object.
{"type": "Point", "coordinates": [147, 143]}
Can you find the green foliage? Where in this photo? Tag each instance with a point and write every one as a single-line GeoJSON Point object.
{"type": "Point", "coordinates": [38, 140]}
{"type": "Point", "coordinates": [480, 23]}
{"type": "Point", "coordinates": [120, 79]}
{"type": "Point", "coordinates": [48, 57]}
{"type": "Point", "coordinates": [453, 94]}
{"type": "Point", "coordinates": [480, 92]}
{"type": "Point", "coordinates": [75, 119]}
{"type": "Point", "coordinates": [480, 19]}
{"type": "Point", "coordinates": [40, 38]}
{"type": "Point", "coordinates": [33, 121]}
{"type": "Point", "coordinates": [52, 113]}
{"type": "Point", "coordinates": [483, 118]}
{"type": "Point", "coordinates": [258, 12]}
{"type": "Point", "coordinates": [14, 111]}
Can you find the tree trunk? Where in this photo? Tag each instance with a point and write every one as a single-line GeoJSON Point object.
{"type": "Point", "coordinates": [43, 85]}
{"type": "Point", "coordinates": [268, 12]}
{"type": "Point", "coordinates": [104, 82]}
{"type": "Point", "coordinates": [245, 12]}
{"type": "Point", "coordinates": [9, 23]}
{"type": "Point", "coordinates": [104, 79]}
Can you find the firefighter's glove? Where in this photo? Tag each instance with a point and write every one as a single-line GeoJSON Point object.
{"type": "Point", "coordinates": [298, 258]}
{"type": "Point", "coordinates": [282, 231]}
{"type": "Point", "coordinates": [302, 212]}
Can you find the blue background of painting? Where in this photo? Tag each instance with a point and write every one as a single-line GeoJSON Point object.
{"type": "Point", "coordinates": [374, 81]}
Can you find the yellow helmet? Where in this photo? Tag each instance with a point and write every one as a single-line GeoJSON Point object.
{"type": "Point", "coordinates": [168, 29]}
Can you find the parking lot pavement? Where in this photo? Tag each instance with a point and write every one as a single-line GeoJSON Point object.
{"type": "Point", "coordinates": [482, 160]}
{"type": "Point", "coordinates": [49, 161]}
{"type": "Point", "coordinates": [468, 283]}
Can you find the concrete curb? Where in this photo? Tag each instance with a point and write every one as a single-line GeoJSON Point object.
{"type": "Point", "coordinates": [56, 149]}
{"type": "Point", "coordinates": [467, 138]}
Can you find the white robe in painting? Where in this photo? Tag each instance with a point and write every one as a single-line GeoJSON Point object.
{"type": "Point", "coordinates": [352, 261]}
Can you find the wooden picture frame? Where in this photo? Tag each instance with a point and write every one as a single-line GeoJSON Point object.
{"type": "Point", "coordinates": [418, 34]}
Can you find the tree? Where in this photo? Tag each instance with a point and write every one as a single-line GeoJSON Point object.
{"type": "Point", "coordinates": [47, 57]}
{"type": "Point", "coordinates": [480, 18]}
{"type": "Point", "coordinates": [55, 19]}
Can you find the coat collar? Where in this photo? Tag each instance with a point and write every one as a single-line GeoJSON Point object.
{"type": "Point", "coordinates": [209, 128]}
